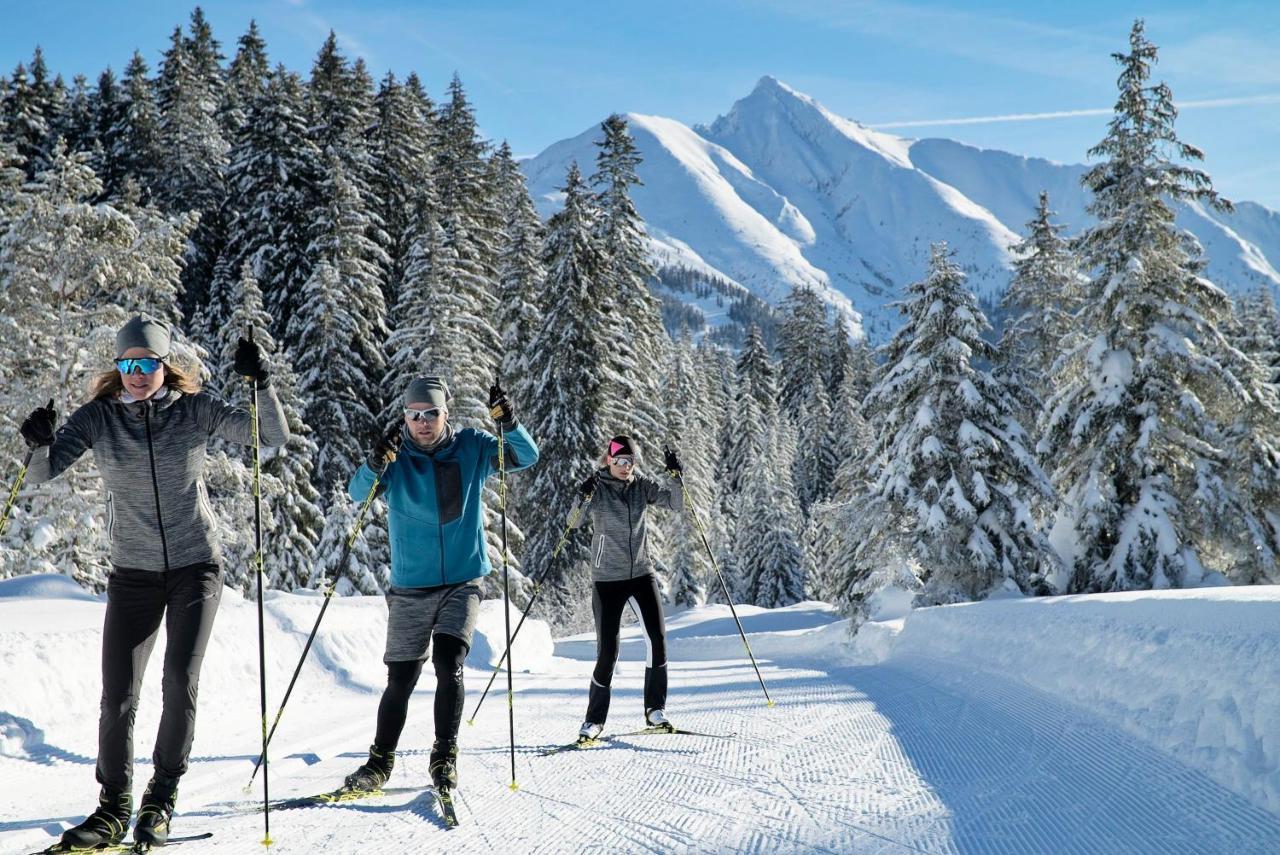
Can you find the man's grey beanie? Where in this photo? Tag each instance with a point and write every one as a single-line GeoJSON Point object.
{"type": "Point", "coordinates": [143, 331]}
{"type": "Point", "coordinates": [427, 390]}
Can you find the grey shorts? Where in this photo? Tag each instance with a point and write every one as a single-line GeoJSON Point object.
{"type": "Point", "coordinates": [415, 614]}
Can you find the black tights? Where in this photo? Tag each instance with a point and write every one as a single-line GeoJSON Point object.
{"type": "Point", "coordinates": [447, 655]}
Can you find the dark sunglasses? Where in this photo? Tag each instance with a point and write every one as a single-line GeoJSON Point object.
{"type": "Point", "coordinates": [624, 461]}
{"type": "Point", "coordinates": [422, 415]}
{"type": "Point", "coordinates": [140, 365]}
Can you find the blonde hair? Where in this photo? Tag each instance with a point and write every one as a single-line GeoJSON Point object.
{"type": "Point", "coordinates": [109, 385]}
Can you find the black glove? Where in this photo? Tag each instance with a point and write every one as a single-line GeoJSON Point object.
{"type": "Point", "coordinates": [37, 428]}
{"type": "Point", "coordinates": [587, 488]}
{"type": "Point", "coordinates": [384, 450]}
{"type": "Point", "coordinates": [671, 463]}
{"type": "Point", "coordinates": [500, 408]}
{"type": "Point", "coordinates": [248, 362]}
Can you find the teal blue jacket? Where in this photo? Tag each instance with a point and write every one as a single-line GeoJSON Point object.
{"type": "Point", "coordinates": [435, 504]}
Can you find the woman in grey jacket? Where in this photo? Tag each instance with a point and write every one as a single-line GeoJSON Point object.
{"type": "Point", "coordinates": [149, 424]}
{"type": "Point", "coordinates": [618, 498]}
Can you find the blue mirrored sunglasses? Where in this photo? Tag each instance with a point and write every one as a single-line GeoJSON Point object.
{"type": "Point", "coordinates": [142, 365]}
{"type": "Point", "coordinates": [421, 415]}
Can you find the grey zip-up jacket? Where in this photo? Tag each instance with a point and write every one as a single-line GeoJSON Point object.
{"type": "Point", "coordinates": [619, 545]}
{"type": "Point", "coordinates": [151, 455]}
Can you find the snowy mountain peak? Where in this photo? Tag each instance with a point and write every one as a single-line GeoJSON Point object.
{"type": "Point", "coordinates": [780, 191]}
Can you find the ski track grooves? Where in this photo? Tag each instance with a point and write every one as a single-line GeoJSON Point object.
{"type": "Point", "coordinates": [913, 755]}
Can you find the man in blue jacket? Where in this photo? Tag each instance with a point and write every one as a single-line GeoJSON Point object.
{"type": "Point", "coordinates": [433, 484]}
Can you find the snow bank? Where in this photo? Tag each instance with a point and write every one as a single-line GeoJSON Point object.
{"type": "Point", "coordinates": [1195, 672]}
{"type": "Point", "coordinates": [43, 586]}
{"type": "Point", "coordinates": [805, 631]}
{"type": "Point", "coordinates": [533, 646]}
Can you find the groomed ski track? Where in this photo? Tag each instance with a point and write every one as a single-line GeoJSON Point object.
{"type": "Point", "coordinates": [911, 755]}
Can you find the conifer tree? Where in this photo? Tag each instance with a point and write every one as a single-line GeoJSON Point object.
{"type": "Point", "coordinates": [564, 363]}
{"type": "Point", "coordinates": [951, 480]}
{"type": "Point", "coordinates": [1134, 427]}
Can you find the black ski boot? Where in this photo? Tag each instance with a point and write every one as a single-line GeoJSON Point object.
{"type": "Point", "coordinates": [155, 811]}
{"type": "Point", "coordinates": [105, 826]}
{"type": "Point", "coordinates": [444, 764]}
{"type": "Point", "coordinates": [373, 773]}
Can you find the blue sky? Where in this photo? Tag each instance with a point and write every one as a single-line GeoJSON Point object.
{"type": "Point", "coordinates": [542, 71]}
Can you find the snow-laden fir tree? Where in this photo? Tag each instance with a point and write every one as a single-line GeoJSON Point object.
{"type": "Point", "coordinates": [1045, 292]}
{"type": "Point", "coordinates": [693, 436]}
{"type": "Point", "coordinates": [631, 313]}
{"type": "Point", "coordinates": [521, 276]}
{"type": "Point", "coordinates": [769, 555]}
{"type": "Point", "coordinates": [402, 182]}
{"type": "Point", "coordinates": [804, 356]}
{"type": "Point", "coordinates": [331, 381]}
{"type": "Point", "coordinates": [1134, 428]}
{"type": "Point", "coordinates": [565, 358]}
{"type": "Point", "coordinates": [952, 482]}
{"type": "Point", "coordinates": [25, 123]}
{"type": "Point", "coordinates": [1248, 548]}
{"type": "Point", "coordinates": [74, 125]}
{"type": "Point", "coordinates": [364, 566]}
{"type": "Point", "coordinates": [107, 101]}
{"type": "Point", "coordinates": [754, 399]}
{"type": "Point", "coordinates": [188, 93]}
{"type": "Point", "coordinates": [816, 457]}
{"type": "Point", "coordinates": [135, 142]}
{"type": "Point", "coordinates": [341, 238]}
{"type": "Point", "coordinates": [71, 272]}
{"type": "Point", "coordinates": [246, 82]}
{"type": "Point", "coordinates": [296, 519]}
{"type": "Point", "coordinates": [273, 182]}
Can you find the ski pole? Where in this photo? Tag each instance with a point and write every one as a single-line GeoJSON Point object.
{"type": "Point", "coordinates": [506, 594]}
{"type": "Point", "coordinates": [262, 633]}
{"type": "Point", "coordinates": [537, 589]}
{"type": "Point", "coordinates": [17, 482]}
{"type": "Point", "coordinates": [13, 492]}
{"type": "Point", "coordinates": [727, 596]}
{"type": "Point", "coordinates": [328, 595]}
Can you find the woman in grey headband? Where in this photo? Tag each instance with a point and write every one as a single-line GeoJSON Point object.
{"type": "Point", "coordinates": [149, 425]}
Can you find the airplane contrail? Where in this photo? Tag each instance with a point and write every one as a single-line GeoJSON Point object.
{"type": "Point", "coordinates": [1251, 100]}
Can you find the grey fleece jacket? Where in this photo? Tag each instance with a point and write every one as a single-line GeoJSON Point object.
{"type": "Point", "coordinates": [151, 455]}
{"type": "Point", "coordinates": [619, 545]}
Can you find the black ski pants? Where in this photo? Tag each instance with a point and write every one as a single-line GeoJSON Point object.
{"type": "Point", "coordinates": [186, 599]}
{"type": "Point", "coordinates": [607, 602]}
{"type": "Point", "coordinates": [448, 653]}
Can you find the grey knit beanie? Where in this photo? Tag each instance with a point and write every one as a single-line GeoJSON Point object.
{"type": "Point", "coordinates": [427, 390]}
{"type": "Point", "coordinates": [143, 331]}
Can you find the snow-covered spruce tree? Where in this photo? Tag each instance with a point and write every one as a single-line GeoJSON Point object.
{"type": "Point", "coordinates": [403, 185]}
{"type": "Point", "coordinates": [11, 180]}
{"type": "Point", "coordinates": [952, 483]}
{"type": "Point", "coordinates": [521, 275]}
{"type": "Point", "coordinates": [107, 101]}
{"type": "Point", "coordinates": [1249, 548]}
{"type": "Point", "coordinates": [770, 559]}
{"type": "Point", "coordinates": [24, 110]}
{"type": "Point", "coordinates": [743, 437]}
{"type": "Point", "coordinates": [1134, 429]}
{"type": "Point", "coordinates": [246, 82]}
{"type": "Point", "coordinates": [565, 358]}
{"type": "Point", "coordinates": [340, 237]}
{"type": "Point", "coordinates": [632, 314]}
{"type": "Point", "coordinates": [70, 272]}
{"type": "Point", "coordinates": [194, 150]}
{"type": "Point", "coordinates": [74, 125]}
{"type": "Point", "coordinates": [135, 146]}
{"type": "Point", "coordinates": [1043, 297]}
{"type": "Point", "coordinates": [805, 369]}
{"type": "Point", "coordinates": [366, 569]}
{"type": "Point", "coordinates": [293, 513]}
{"type": "Point", "coordinates": [273, 183]}
{"type": "Point", "coordinates": [694, 438]}
{"type": "Point", "coordinates": [330, 379]}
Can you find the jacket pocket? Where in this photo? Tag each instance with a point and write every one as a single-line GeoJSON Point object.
{"type": "Point", "coordinates": [597, 551]}
{"type": "Point", "coordinates": [111, 515]}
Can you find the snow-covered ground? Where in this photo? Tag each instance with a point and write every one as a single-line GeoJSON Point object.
{"type": "Point", "coordinates": [1120, 723]}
